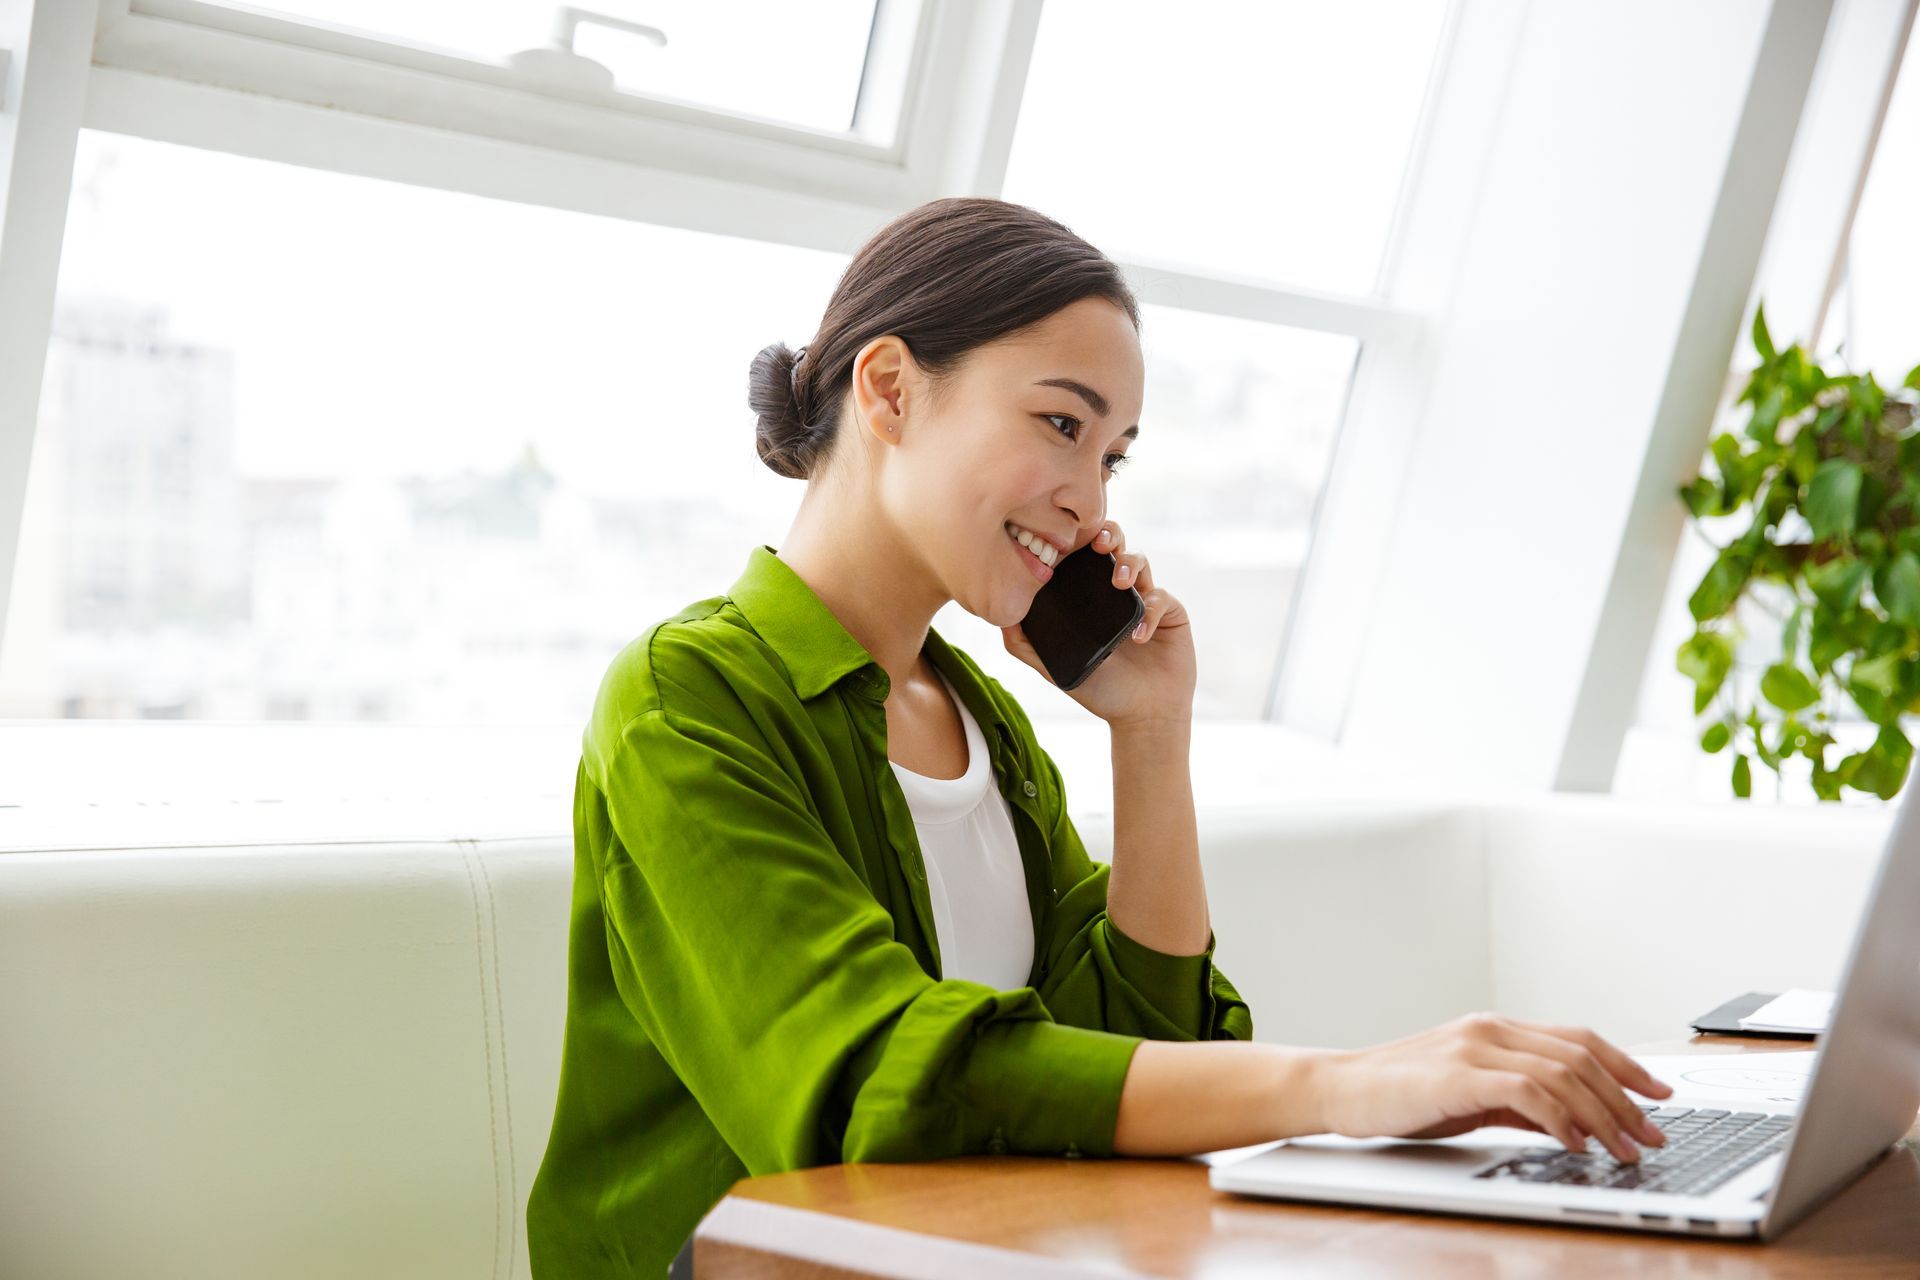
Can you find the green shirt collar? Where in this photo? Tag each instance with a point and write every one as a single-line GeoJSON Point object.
{"type": "Point", "coordinates": [818, 650]}
{"type": "Point", "coordinates": [797, 624]}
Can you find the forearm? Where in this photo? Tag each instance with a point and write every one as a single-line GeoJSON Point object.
{"type": "Point", "coordinates": [1155, 894]}
{"type": "Point", "coordinates": [1185, 1097]}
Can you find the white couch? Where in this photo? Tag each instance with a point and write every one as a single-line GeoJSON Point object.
{"type": "Point", "coordinates": [309, 1059]}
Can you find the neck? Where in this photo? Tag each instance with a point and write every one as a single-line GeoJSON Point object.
{"type": "Point", "coordinates": [867, 577]}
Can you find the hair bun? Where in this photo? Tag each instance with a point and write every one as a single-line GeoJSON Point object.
{"type": "Point", "coordinates": [779, 392]}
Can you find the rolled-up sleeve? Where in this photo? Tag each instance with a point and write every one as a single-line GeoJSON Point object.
{"type": "Point", "coordinates": [1097, 976]}
{"type": "Point", "coordinates": [766, 972]}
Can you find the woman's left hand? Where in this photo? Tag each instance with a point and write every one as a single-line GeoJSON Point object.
{"type": "Point", "coordinates": [1147, 677]}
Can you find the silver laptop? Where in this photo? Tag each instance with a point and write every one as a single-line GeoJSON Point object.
{"type": "Point", "coordinates": [1750, 1173]}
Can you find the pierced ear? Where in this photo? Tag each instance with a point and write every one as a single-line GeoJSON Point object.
{"type": "Point", "coordinates": [879, 367]}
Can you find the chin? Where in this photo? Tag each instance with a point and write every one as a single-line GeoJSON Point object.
{"type": "Point", "coordinates": [1011, 614]}
{"type": "Point", "coordinates": [1002, 612]}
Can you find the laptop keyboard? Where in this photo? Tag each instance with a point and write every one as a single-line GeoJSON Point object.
{"type": "Point", "coordinates": [1705, 1147]}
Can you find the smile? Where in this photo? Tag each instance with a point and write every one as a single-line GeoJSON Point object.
{"type": "Point", "coordinates": [1044, 551]}
{"type": "Point", "coordinates": [1035, 552]}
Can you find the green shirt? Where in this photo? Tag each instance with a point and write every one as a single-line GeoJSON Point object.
{"type": "Point", "coordinates": [753, 978]}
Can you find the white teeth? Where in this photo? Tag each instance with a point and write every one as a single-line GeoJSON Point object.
{"type": "Point", "coordinates": [1043, 550]}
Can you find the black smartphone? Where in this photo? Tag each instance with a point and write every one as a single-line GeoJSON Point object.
{"type": "Point", "coordinates": [1079, 616]}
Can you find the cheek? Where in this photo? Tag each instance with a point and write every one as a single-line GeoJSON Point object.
{"type": "Point", "coordinates": [1020, 484]}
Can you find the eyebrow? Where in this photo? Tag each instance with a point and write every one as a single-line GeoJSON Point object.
{"type": "Point", "coordinates": [1096, 401]}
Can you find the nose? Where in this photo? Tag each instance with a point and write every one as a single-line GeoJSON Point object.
{"type": "Point", "coordinates": [1086, 502]}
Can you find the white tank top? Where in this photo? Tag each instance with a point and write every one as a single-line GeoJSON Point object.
{"type": "Point", "coordinates": [974, 874]}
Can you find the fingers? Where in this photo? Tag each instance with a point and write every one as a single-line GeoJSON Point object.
{"type": "Point", "coordinates": [1521, 1093]}
{"type": "Point", "coordinates": [1593, 1074]}
{"type": "Point", "coordinates": [1563, 1084]}
{"type": "Point", "coordinates": [1507, 1118]}
{"type": "Point", "coordinates": [1624, 1068]}
{"type": "Point", "coordinates": [1130, 569]}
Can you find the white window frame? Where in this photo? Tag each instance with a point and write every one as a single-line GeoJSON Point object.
{"type": "Point", "coordinates": [220, 79]}
{"type": "Point", "coordinates": [1835, 135]}
{"type": "Point", "coordinates": [196, 74]}
{"type": "Point", "coordinates": [202, 75]}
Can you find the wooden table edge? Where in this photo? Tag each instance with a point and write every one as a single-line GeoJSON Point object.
{"type": "Point", "coordinates": [751, 1236]}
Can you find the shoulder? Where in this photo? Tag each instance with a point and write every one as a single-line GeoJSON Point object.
{"type": "Point", "coordinates": [703, 663]}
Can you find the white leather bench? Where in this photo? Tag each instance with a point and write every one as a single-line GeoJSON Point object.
{"type": "Point", "coordinates": [335, 1060]}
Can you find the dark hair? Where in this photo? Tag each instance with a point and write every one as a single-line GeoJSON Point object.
{"type": "Point", "coordinates": [951, 275]}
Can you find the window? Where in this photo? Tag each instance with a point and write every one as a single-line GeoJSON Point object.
{"type": "Point", "coordinates": [1871, 324]}
{"type": "Point", "coordinates": [326, 448]}
{"type": "Point", "coordinates": [736, 57]}
{"type": "Point", "coordinates": [1873, 321]}
{"type": "Point", "coordinates": [332, 448]}
{"type": "Point", "coordinates": [1264, 141]}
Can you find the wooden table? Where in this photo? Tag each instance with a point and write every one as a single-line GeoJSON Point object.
{"type": "Point", "coordinates": [1038, 1217]}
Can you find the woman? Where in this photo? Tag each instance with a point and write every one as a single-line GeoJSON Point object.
{"type": "Point", "coordinates": [828, 905]}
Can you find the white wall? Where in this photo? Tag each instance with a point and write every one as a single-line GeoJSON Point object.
{"type": "Point", "coordinates": [1345, 924]}
{"type": "Point", "coordinates": [1634, 919]}
{"type": "Point", "coordinates": [1604, 260]}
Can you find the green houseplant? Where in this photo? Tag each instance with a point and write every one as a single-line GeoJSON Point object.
{"type": "Point", "coordinates": [1827, 468]}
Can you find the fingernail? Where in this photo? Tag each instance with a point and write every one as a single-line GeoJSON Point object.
{"type": "Point", "coordinates": [1124, 572]}
{"type": "Point", "coordinates": [1652, 1131]}
{"type": "Point", "coordinates": [1140, 632]}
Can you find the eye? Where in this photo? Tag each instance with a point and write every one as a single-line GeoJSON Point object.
{"type": "Point", "coordinates": [1114, 461]}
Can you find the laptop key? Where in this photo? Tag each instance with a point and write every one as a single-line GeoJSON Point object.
{"type": "Point", "coordinates": [1701, 1153]}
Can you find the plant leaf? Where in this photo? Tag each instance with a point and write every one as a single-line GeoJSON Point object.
{"type": "Point", "coordinates": [1794, 631]}
{"type": "Point", "coordinates": [1787, 687]}
{"type": "Point", "coordinates": [1880, 675]}
{"type": "Point", "coordinates": [1742, 777]}
{"type": "Point", "coordinates": [1901, 595]}
{"type": "Point", "coordinates": [1896, 754]}
{"type": "Point", "coordinates": [1833, 498]}
{"type": "Point", "coordinates": [1721, 585]}
{"type": "Point", "coordinates": [1702, 497]}
{"type": "Point", "coordinates": [1704, 658]}
{"type": "Point", "coordinates": [1838, 582]}
{"type": "Point", "coordinates": [1764, 426]}
{"type": "Point", "coordinates": [1760, 747]}
{"type": "Point", "coordinates": [1825, 646]}
{"type": "Point", "coordinates": [1716, 737]}
{"type": "Point", "coordinates": [1762, 340]}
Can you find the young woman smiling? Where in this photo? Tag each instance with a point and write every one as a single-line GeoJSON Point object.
{"type": "Point", "coordinates": [828, 904]}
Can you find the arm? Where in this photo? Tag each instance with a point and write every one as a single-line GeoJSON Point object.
{"type": "Point", "coordinates": [767, 974]}
{"type": "Point", "coordinates": [1157, 895]}
{"type": "Point", "coordinates": [1481, 1069]}
{"type": "Point", "coordinates": [1181, 1099]}
{"type": "Point", "coordinates": [1096, 972]}
{"type": "Point", "coordinates": [1140, 958]}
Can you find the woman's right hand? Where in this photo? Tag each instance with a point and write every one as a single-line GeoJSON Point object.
{"type": "Point", "coordinates": [1484, 1069]}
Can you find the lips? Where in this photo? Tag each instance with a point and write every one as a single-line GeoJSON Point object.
{"type": "Point", "coordinates": [1044, 548]}
{"type": "Point", "coordinates": [1035, 565]}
